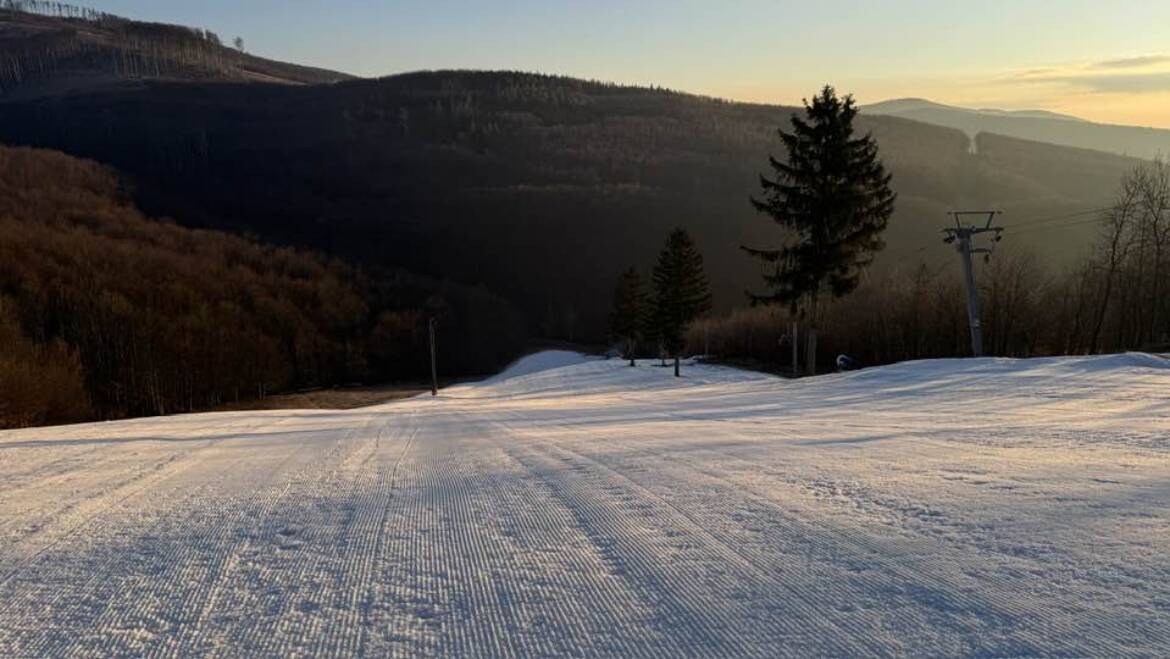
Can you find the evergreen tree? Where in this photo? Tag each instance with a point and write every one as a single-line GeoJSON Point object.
{"type": "Point", "coordinates": [629, 301]}
{"type": "Point", "coordinates": [833, 196]}
{"type": "Point", "coordinates": [681, 292]}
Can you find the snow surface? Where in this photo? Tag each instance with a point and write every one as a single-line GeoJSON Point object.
{"type": "Point", "coordinates": [541, 361]}
{"type": "Point", "coordinates": [585, 508]}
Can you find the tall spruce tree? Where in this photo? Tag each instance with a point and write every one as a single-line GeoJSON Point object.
{"type": "Point", "coordinates": [629, 307]}
{"type": "Point", "coordinates": [681, 292]}
{"type": "Point", "coordinates": [833, 196]}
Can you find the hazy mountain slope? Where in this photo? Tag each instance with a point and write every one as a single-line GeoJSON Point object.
{"type": "Point", "coordinates": [900, 106]}
{"type": "Point", "coordinates": [542, 188]}
{"type": "Point", "coordinates": [1034, 125]}
{"type": "Point", "coordinates": [78, 50]}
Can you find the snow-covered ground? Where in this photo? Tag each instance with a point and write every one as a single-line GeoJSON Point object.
{"type": "Point", "coordinates": [581, 507]}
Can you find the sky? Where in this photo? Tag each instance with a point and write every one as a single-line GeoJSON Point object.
{"type": "Point", "coordinates": [1104, 60]}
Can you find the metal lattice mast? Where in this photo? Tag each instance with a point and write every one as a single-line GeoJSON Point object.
{"type": "Point", "coordinates": [962, 236]}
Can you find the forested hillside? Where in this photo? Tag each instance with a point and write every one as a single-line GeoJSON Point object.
{"type": "Point", "coordinates": [107, 313]}
{"type": "Point", "coordinates": [52, 47]}
{"type": "Point", "coordinates": [1043, 126]}
{"type": "Point", "coordinates": [541, 188]}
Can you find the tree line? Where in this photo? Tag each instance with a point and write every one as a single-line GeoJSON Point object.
{"type": "Point", "coordinates": [1105, 303]}
{"type": "Point", "coordinates": [124, 48]}
{"type": "Point", "coordinates": [1126, 280]}
{"type": "Point", "coordinates": [106, 313]}
{"type": "Point", "coordinates": [831, 197]}
{"type": "Point", "coordinates": [54, 9]}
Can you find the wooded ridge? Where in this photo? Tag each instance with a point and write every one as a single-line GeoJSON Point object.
{"type": "Point", "coordinates": [106, 313]}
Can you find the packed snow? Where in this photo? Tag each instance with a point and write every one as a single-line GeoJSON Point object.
{"type": "Point", "coordinates": [547, 360]}
{"type": "Point", "coordinates": [580, 507]}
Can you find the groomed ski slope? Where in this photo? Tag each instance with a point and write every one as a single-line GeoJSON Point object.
{"type": "Point", "coordinates": [584, 508]}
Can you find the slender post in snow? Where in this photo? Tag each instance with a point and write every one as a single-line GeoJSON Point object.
{"type": "Point", "coordinates": [434, 367]}
{"type": "Point", "coordinates": [795, 348]}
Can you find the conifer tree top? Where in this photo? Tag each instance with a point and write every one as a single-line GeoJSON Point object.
{"type": "Point", "coordinates": [832, 196]}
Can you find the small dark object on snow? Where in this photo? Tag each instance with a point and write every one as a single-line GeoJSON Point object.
{"type": "Point", "coordinates": [846, 363]}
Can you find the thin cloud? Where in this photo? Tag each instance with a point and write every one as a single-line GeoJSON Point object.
{"type": "Point", "coordinates": [1128, 83]}
{"type": "Point", "coordinates": [1132, 62]}
{"type": "Point", "coordinates": [1147, 74]}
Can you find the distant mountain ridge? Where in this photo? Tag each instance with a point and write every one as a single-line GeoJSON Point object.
{"type": "Point", "coordinates": [48, 48]}
{"type": "Point", "coordinates": [899, 106]}
{"type": "Point", "coordinates": [1037, 125]}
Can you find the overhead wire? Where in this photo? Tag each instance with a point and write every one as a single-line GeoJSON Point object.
{"type": "Point", "coordinates": [1041, 224]}
{"type": "Point", "coordinates": [1057, 218]}
{"type": "Point", "coordinates": [1034, 225]}
{"type": "Point", "coordinates": [1048, 227]}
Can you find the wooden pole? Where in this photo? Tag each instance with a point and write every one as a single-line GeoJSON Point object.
{"type": "Point", "coordinates": [434, 366]}
{"type": "Point", "coordinates": [795, 348]}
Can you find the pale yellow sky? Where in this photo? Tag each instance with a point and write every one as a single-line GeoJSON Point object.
{"type": "Point", "coordinates": [1130, 90]}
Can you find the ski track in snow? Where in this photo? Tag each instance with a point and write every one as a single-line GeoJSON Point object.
{"type": "Point", "coordinates": [575, 507]}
